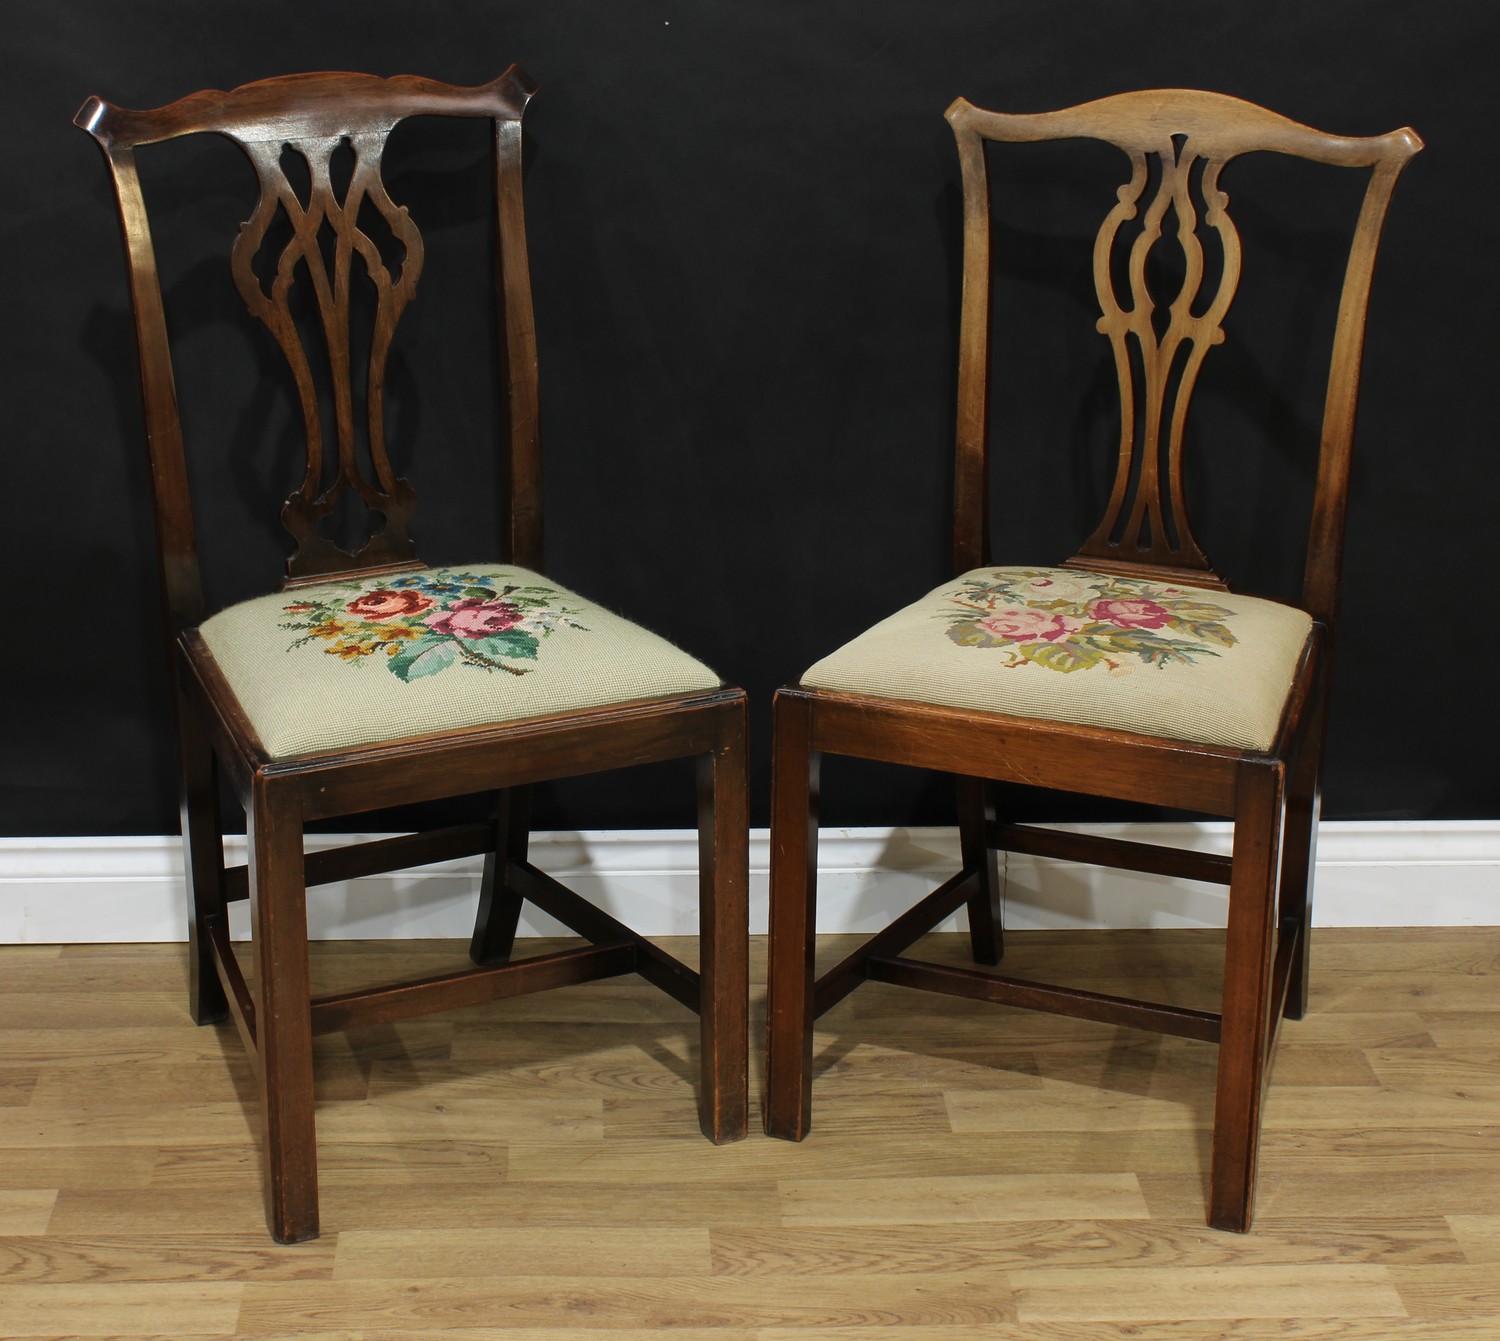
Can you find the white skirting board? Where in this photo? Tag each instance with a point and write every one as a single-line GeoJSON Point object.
{"type": "Point", "coordinates": [1370, 874]}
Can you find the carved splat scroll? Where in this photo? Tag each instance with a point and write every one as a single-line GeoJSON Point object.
{"type": "Point", "coordinates": [1159, 348]}
{"type": "Point", "coordinates": [326, 236]}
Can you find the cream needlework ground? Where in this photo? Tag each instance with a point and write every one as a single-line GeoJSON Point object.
{"type": "Point", "coordinates": [1072, 646]}
{"type": "Point", "coordinates": [377, 658]}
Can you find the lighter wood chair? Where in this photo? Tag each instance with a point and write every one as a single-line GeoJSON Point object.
{"type": "Point", "coordinates": [370, 680]}
{"type": "Point", "coordinates": [1131, 671]}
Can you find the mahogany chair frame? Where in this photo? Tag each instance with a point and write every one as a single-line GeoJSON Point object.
{"type": "Point", "coordinates": [276, 1012]}
{"type": "Point", "coordinates": [1273, 797]}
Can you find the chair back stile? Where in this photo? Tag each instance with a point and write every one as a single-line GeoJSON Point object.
{"type": "Point", "coordinates": [1178, 143]}
{"type": "Point", "coordinates": [522, 540]}
{"type": "Point", "coordinates": [329, 229]}
{"type": "Point", "coordinates": [176, 534]}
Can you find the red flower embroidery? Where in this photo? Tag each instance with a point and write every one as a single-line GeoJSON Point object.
{"type": "Point", "coordinates": [384, 604]}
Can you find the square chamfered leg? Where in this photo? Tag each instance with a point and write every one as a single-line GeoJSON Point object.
{"type": "Point", "coordinates": [1304, 804]}
{"type": "Point", "coordinates": [976, 814]}
{"type": "Point", "coordinates": [203, 863]}
{"type": "Point", "coordinates": [499, 912]}
{"type": "Point", "coordinates": [794, 895]}
{"type": "Point", "coordinates": [1247, 1032]}
{"type": "Point", "coordinates": [283, 1014]}
{"type": "Point", "coordinates": [724, 930]}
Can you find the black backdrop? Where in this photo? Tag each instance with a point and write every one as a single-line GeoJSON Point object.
{"type": "Point", "coordinates": [744, 245]}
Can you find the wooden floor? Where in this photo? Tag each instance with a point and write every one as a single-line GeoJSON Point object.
{"type": "Point", "coordinates": [534, 1168]}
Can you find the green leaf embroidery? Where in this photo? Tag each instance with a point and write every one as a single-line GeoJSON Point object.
{"type": "Point", "coordinates": [422, 657]}
{"type": "Point", "coordinates": [511, 643]}
{"type": "Point", "coordinates": [967, 633]}
{"type": "Point", "coordinates": [1137, 641]}
{"type": "Point", "coordinates": [1209, 630]}
{"type": "Point", "coordinates": [1062, 656]}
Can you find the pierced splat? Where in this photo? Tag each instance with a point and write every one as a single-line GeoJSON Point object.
{"type": "Point", "coordinates": [329, 129]}
{"type": "Point", "coordinates": [1159, 347]}
{"type": "Point", "coordinates": [328, 229]}
{"type": "Point", "coordinates": [1188, 136]}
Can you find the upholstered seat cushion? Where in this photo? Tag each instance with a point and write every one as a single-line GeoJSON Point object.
{"type": "Point", "coordinates": [379, 658]}
{"type": "Point", "coordinates": [1071, 646]}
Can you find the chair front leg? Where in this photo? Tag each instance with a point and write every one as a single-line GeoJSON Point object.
{"type": "Point", "coordinates": [724, 932]}
{"type": "Point", "coordinates": [1247, 1031]}
{"type": "Point", "coordinates": [283, 1015]}
{"type": "Point", "coordinates": [499, 913]}
{"type": "Point", "coordinates": [976, 812]}
{"type": "Point", "coordinates": [794, 896]}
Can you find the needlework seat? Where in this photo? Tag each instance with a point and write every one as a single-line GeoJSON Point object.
{"type": "Point", "coordinates": [1070, 646]}
{"type": "Point", "coordinates": [337, 664]}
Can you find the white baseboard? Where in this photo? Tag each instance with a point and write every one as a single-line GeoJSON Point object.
{"type": "Point", "coordinates": [1369, 874]}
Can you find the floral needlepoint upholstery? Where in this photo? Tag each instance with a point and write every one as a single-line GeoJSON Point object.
{"type": "Point", "coordinates": [1088, 648]}
{"type": "Point", "coordinates": [377, 658]}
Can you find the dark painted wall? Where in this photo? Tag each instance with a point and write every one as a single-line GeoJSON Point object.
{"type": "Point", "coordinates": [744, 228]}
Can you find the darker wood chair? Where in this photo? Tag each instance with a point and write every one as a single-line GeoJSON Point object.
{"type": "Point", "coordinates": [369, 680]}
{"type": "Point", "coordinates": [1131, 671]}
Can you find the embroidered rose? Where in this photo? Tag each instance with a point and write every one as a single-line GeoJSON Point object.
{"type": "Point", "coordinates": [383, 603]}
{"type": "Point", "coordinates": [1131, 614]}
{"type": "Point", "coordinates": [1024, 624]}
{"type": "Point", "coordinates": [475, 618]}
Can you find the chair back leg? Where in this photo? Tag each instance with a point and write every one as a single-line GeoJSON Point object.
{"type": "Point", "coordinates": [499, 913]}
{"type": "Point", "coordinates": [1304, 805]}
{"type": "Point", "coordinates": [976, 813]}
{"type": "Point", "coordinates": [203, 865]}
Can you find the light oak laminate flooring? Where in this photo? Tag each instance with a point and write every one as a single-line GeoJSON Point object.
{"type": "Point", "coordinates": [533, 1169]}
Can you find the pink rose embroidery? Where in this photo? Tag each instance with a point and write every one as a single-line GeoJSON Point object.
{"type": "Point", "coordinates": [384, 604]}
{"type": "Point", "coordinates": [1022, 624]}
{"type": "Point", "coordinates": [1131, 614]}
{"type": "Point", "coordinates": [475, 618]}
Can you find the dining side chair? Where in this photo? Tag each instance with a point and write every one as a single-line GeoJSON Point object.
{"type": "Point", "coordinates": [369, 680]}
{"type": "Point", "coordinates": [1131, 671]}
